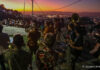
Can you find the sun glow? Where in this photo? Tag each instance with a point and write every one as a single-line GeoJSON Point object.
{"type": "Point", "coordinates": [50, 5]}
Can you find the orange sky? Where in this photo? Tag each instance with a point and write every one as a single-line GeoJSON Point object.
{"type": "Point", "coordinates": [49, 5]}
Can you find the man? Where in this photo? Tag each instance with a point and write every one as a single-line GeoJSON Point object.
{"type": "Point", "coordinates": [91, 51]}
{"type": "Point", "coordinates": [4, 40]}
{"type": "Point", "coordinates": [76, 39]}
{"type": "Point", "coordinates": [17, 58]}
{"type": "Point", "coordinates": [33, 37]}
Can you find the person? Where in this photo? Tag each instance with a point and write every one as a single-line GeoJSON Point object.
{"type": "Point", "coordinates": [4, 42]}
{"type": "Point", "coordinates": [77, 45]}
{"type": "Point", "coordinates": [46, 27]}
{"type": "Point", "coordinates": [74, 25]}
{"type": "Point", "coordinates": [45, 56]}
{"type": "Point", "coordinates": [76, 33]}
{"type": "Point", "coordinates": [17, 58]}
{"type": "Point", "coordinates": [33, 37]}
{"type": "Point", "coordinates": [57, 26]}
{"type": "Point", "coordinates": [4, 38]}
{"type": "Point", "coordinates": [51, 28]}
{"type": "Point", "coordinates": [95, 51]}
{"type": "Point", "coordinates": [41, 27]}
{"type": "Point", "coordinates": [91, 51]}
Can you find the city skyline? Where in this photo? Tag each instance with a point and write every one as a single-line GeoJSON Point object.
{"type": "Point", "coordinates": [54, 5]}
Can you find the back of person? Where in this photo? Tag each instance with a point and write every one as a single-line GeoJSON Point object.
{"type": "Point", "coordinates": [46, 30]}
{"type": "Point", "coordinates": [45, 58]}
{"type": "Point", "coordinates": [4, 39]}
{"type": "Point", "coordinates": [32, 40]}
{"type": "Point", "coordinates": [34, 35]}
{"type": "Point", "coordinates": [17, 58]}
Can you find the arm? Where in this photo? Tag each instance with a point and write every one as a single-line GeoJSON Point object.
{"type": "Point", "coordinates": [75, 47]}
{"type": "Point", "coordinates": [95, 49]}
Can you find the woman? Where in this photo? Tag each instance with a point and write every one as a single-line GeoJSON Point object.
{"type": "Point", "coordinates": [45, 55]}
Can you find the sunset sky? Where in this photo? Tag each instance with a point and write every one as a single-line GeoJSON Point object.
{"type": "Point", "coordinates": [51, 5]}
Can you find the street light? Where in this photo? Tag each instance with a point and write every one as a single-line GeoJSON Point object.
{"type": "Point", "coordinates": [24, 7]}
{"type": "Point", "coordinates": [32, 7]}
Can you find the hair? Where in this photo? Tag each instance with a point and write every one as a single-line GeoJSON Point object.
{"type": "Point", "coordinates": [1, 28]}
{"type": "Point", "coordinates": [50, 39]}
{"type": "Point", "coordinates": [75, 17]}
{"type": "Point", "coordinates": [18, 40]}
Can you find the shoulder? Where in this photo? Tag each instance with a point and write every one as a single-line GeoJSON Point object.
{"type": "Point", "coordinates": [25, 53]}
{"type": "Point", "coordinates": [4, 34]}
{"type": "Point", "coordinates": [9, 54]}
{"type": "Point", "coordinates": [43, 47]}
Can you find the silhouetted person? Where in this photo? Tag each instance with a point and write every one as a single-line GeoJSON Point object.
{"type": "Point", "coordinates": [4, 40]}
{"type": "Point", "coordinates": [33, 37]}
{"type": "Point", "coordinates": [18, 59]}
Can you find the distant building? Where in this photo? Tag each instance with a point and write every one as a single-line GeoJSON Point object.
{"type": "Point", "coordinates": [96, 20]}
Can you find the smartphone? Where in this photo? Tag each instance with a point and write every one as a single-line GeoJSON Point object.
{"type": "Point", "coordinates": [11, 39]}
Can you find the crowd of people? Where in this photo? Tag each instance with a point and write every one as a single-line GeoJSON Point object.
{"type": "Point", "coordinates": [53, 43]}
{"type": "Point", "coordinates": [13, 22]}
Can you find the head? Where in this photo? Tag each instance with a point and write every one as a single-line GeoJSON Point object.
{"type": "Point", "coordinates": [1, 28]}
{"type": "Point", "coordinates": [18, 41]}
{"type": "Point", "coordinates": [75, 17]}
{"type": "Point", "coordinates": [49, 39]}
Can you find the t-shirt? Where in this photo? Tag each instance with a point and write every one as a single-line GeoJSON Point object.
{"type": "Point", "coordinates": [73, 30]}
{"type": "Point", "coordinates": [78, 43]}
{"type": "Point", "coordinates": [18, 59]}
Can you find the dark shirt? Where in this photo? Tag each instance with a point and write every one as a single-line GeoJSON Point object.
{"type": "Point", "coordinates": [18, 59]}
{"type": "Point", "coordinates": [89, 43]}
{"type": "Point", "coordinates": [77, 43]}
{"type": "Point", "coordinates": [4, 39]}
